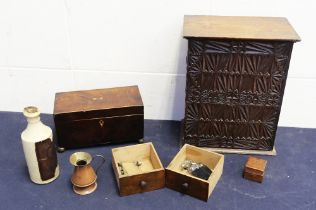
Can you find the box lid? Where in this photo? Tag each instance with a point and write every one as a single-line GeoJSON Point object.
{"type": "Point", "coordinates": [117, 99]}
{"type": "Point", "coordinates": [255, 165]}
{"type": "Point", "coordinates": [238, 27]}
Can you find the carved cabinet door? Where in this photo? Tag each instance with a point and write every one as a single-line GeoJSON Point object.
{"type": "Point", "coordinates": [234, 92]}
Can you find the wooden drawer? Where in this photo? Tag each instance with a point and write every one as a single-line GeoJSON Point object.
{"type": "Point", "coordinates": [150, 175]}
{"type": "Point", "coordinates": [181, 181]}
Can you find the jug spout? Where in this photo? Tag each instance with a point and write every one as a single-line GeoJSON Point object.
{"type": "Point", "coordinates": [80, 159]}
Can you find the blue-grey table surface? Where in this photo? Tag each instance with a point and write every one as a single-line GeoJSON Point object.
{"type": "Point", "coordinates": [289, 181]}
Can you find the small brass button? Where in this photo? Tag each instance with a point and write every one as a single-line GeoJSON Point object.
{"type": "Point", "coordinates": [185, 186]}
{"type": "Point", "coordinates": [142, 184]}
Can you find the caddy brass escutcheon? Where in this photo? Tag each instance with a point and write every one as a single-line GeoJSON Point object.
{"type": "Point", "coordinates": [101, 122]}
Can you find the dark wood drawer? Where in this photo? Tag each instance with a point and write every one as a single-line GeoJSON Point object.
{"type": "Point", "coordinates": [187, 185]}
{"type": "Point", "coordinates": [181, 181]}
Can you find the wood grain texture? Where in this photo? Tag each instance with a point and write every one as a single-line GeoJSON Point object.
{"type": "Point", "coordinates": [236, 27]}
{"type": "Point", "coordinates": [273, 152]}
{"type": "Point", "coordinates": [216, 175]}
{"type": "Point", "coordinates": [234, 92]}
{"type": "Point", "coordinates": [195, 187]}
{"type": "Point", "coordinates": [138, 180]}
{"type": "Point", "coordinates": [254, 169]}
{"type": "Point", "coordinates": [89, 100]}
{"type": "Point", "coordinates": [132, 184]}
{"type": "Point", "coordinates": [182, 181]}
{"type": "Point", "coordinates": [255, 165]}
{"type": "Point", "coordinates": [96, 117]}
{"type": "Point", "coordinates": [253, 177]}
{"type": "Point", "coordinates": [91, 132]}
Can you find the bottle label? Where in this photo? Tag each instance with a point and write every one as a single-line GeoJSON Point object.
{"type": "Point", "coordinates": [46, 158]}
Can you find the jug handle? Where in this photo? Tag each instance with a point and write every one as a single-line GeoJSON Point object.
{"type": "Point", "coordinates": [101, 156]}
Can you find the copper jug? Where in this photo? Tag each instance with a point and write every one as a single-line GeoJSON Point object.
{"type": "Point", "coordinates": [84, 178]}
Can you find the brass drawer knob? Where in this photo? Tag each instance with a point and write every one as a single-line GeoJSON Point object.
{"type": "Point", "coordinates": [185, 186]}
{"type": "Point", "coordinates": [142, 184]}
{"type": "Point", "coordinates": [101, 122]}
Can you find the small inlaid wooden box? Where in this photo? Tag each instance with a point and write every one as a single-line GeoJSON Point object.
{"type": "Point", "coordinates": [254, 169]}
{"type": "Point", "coordinates": [181, 181]}
{"type": "Point", "coordinates": [137, 169]}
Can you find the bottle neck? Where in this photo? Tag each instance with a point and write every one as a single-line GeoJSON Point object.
{"type": "Point", "coordinates": [33, 120]}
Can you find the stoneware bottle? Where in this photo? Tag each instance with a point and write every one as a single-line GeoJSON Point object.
{"type": "Point", "coordinates": [39, 148]}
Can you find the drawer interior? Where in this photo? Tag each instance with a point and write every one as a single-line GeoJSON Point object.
{"type": "Point", "coordinates": [188, 152]}
{"type": "Point", "coordinates": [136, 159]}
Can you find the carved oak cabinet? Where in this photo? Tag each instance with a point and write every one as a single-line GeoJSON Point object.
{"type": "Point", "coordinates": [236, 74]}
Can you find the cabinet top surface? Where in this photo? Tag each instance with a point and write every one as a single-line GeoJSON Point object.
{"type": "Point", "coordinates": [87, 100]}
{"type": "Point", "coordinates": [237, 27]}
